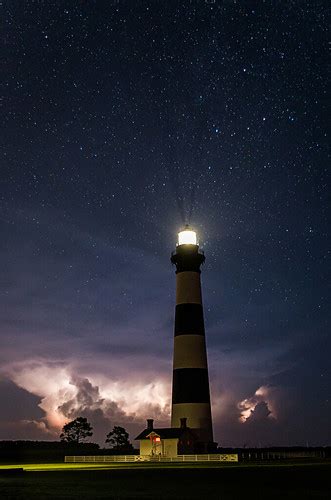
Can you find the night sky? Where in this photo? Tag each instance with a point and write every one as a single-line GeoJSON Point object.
{"type": "Point", "coordinates": [120, 122]}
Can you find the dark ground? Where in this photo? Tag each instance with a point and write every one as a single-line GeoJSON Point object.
{"type": "Point", "coordinates": [303, 481]}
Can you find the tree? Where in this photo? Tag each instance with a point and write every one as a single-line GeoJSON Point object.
{"type": "Point", "coordinates": [76, 430]}
{"type": "Point", "coordinates": [118, 438]}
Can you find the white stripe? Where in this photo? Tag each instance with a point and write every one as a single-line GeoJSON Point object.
{"type": "Point", "coordinates": [188, 288]}
{"type": "Point", "coordinates": [190, 351]}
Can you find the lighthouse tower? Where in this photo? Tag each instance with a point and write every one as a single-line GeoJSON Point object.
{"type": "Point", "coordinates": [190, 387]}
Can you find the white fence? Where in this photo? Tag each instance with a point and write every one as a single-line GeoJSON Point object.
{"type": "Point", "coordinates": [281, 454]}
{"type": "Point", "coordinates": [151, 458]}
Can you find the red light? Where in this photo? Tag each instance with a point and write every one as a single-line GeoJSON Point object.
{"type": "Point", "coordinates": [157, 439]}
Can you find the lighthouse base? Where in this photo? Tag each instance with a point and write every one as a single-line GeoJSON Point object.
{"type": "Point", "coordinates": [197, 417]}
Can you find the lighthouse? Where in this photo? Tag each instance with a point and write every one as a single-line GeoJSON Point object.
{"type": "Point", "coordinates": [190, 385]}
{"type": "Point", "coordinates": [191, 430]}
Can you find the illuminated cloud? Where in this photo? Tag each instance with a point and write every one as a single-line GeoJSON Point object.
{"type": "Point", "coordinates": [64, 396]}
{"type": "Point", "coordinates": [258, 407]}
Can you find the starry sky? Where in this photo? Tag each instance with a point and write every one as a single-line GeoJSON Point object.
{"type": "Point", "coordinates": [121, 121]}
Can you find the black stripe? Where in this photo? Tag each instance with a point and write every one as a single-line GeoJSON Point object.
{"type": "Point", "coordinates": [189, 319]}
{"type": "Point", "coordinates": [190, 385]}
{"type": "Point", "coordinates": [187, 258]}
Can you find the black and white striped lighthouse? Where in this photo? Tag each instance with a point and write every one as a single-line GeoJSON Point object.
{"type": "Point", "coordinates": [190, 389]}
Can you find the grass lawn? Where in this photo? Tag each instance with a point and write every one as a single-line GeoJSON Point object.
{"type": "Point", "coordinates": [167, 481]}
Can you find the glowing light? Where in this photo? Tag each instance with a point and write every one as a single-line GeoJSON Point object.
{"type": "Point", "coordinates": [187, 237]}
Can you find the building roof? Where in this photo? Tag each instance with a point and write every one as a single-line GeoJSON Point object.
{"type": "Point", "coordinates": [165, 433]}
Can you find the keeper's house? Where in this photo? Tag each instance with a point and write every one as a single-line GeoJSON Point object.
{"type": "Point", "coordinates": [168, 442]}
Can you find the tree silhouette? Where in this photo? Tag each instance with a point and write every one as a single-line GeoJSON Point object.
{"type": "Point", "coordinates": [76, 430]}
{"type": "Point", "coordinates": [118, 439]}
